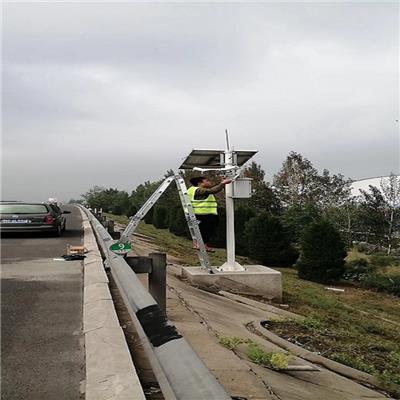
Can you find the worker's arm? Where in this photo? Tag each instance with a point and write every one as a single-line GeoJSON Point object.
{"type": "Point", "coordinates": [202, 193]}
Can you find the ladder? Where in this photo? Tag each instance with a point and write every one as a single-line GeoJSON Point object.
{"type": "Point", "coordinates": [190, 216]}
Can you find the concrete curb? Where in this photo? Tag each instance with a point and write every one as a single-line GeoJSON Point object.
{"type": "Point", "coordinates": [344, 370]}
{"type": "Point", "coordinates": [110, 373]}
{"type": "Point", "coordinates": [341, 369]}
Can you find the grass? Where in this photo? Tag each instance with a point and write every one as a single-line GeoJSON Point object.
{"type": "Point", "coordinates": [274, 360]}
{"type": "Point", "coordinates": [348, 327]}
{"type": "Point", "coordinates": [230, 343]}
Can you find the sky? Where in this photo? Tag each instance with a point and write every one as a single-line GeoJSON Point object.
{"type": "Point", "coordinates": [114, 94]}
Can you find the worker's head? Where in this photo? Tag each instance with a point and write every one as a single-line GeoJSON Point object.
{"type": "Point", "coordinates": [200, 181]}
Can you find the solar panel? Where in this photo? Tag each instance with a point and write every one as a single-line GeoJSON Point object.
{"type": "Point", "coordinates": [212, 158]}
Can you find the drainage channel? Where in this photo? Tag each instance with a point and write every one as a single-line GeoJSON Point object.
{"type": "Point", "coordinates": [145, 373]}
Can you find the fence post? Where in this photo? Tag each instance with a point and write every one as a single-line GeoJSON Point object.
{"type": "Point", "coordinates": [158, 279]}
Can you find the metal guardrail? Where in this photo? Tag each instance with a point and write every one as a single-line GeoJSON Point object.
{"type": "Point", "coordinates": [181, 374]}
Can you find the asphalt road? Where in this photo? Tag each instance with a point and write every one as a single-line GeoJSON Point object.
{"type": "Point", "coordinates": [42, 355]}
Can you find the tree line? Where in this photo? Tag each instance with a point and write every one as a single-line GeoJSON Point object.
{"type": "Point", "coordinates": [300, 209]}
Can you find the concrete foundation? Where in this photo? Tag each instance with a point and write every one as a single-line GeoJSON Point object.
{"type": "Point", "coordinates": [257, 280]}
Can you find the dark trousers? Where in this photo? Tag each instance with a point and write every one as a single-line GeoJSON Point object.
{"type": "Point", "coordinates": [208, 225]}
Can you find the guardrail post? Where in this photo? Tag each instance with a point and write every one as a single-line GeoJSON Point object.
{"type": "Point", "coordinates": [158, 279]}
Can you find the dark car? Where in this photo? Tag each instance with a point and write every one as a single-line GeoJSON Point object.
{"type": "Point", "coordinates": [32, 217]}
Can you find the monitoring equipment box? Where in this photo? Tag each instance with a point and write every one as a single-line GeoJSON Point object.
{"type": "Point", "coordinates": [241, 188]}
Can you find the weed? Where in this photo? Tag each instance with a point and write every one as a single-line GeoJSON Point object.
{"type": "Point", "coordinates": [312, 321]}
{"type": "Point", "coordinates": [269, 359]}
{"type": "Point", "coordinates": [230, 342]}
{"type": "Point", "coordinates": [353, 361]}
{"type": "Point", "coordinates": [390, 376]}
{"type": "Point", "coordinates": [383, 260]}
{"type": "Point", "coordinates": [382, 283]}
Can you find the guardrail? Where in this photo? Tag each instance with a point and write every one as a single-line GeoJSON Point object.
{"type": "Point", "coordinates": [181, 374]}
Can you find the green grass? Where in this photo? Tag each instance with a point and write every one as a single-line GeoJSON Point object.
{"type": "Point", "coordinates": [336, 326]}
{"type": "Point", "coordinates": [230, 343]}
{"type": "Point", "coordinates": [273, 360]}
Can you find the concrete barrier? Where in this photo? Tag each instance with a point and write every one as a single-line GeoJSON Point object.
{"type": "Point", "coordinates": [110, 373]}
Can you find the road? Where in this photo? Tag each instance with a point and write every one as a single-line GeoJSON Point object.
{"type": "Point", "coordinates": [41, 314]}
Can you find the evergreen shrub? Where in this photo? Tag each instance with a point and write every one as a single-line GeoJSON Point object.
{"type": "Point", "coordinates": [268, 242]}
{"type": "Point", "coordinates": [160, 217]}
{"type": "Point", "coordinates": [322, 256]}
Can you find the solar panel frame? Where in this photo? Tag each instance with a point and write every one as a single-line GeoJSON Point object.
{"type": "Point", "coordinates": [204, 158]}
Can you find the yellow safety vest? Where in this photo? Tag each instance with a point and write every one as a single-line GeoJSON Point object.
{"type": "Point", "coordinates": [205, 206]}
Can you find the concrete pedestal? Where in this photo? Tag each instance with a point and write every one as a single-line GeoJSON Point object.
{"type": "Point", "coordinates": [257, 280]}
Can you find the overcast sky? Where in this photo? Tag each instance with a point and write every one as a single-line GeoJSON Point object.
{"type": "Point", "coordinates": [114, 94]}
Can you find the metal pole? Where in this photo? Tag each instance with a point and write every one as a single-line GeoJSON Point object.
{"type": "Point", "coordinates": [230, 215]}
{"type": "Point", "coordinates": [231, 264]}
{"type": "Point", "coordinates": [158, 279]}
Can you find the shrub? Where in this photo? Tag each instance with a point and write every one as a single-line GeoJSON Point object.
{"type": "Point", "coordinates": [268, 242]}
{"type": "Point", "coordinates": [383, 260]}
{"type": "Point", "coordinates": [362, 247]}
{"type": "Point", "coordinates": [242, 216]}
{"type": "Point", "coordinates": [148, 218]}
{"type": "Point", "coordinates": [322, 253]}
{"type": "Point", "coordinates": [356, 269]}
{"type": "Point", "coordinates": [219, 238]}
{"type": "Point", "coordinates": [160, 217]}
{"type": "Point", "coordinates": [299, 217]}
{"type": "Point", "coordinates": [132, 210]}
{"type": "Point", "coordinates": [382, 283]}
{"type": "Point", "coordinates": [177, 223]}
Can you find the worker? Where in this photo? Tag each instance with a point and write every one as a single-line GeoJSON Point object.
{"type": "Point", "coordinates": [204, 203]}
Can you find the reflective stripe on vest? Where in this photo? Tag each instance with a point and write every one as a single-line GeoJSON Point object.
{"type": "Point", "coordinates": [205, 206]}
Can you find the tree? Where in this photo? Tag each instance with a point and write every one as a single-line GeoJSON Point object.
{"type": "Point", "coordinates": [298, 217]}
{"type": "Point", "coordinates": [334, 190]}
{"type": "Point", "coordinates": [160, 217]}
{"type": "Point", "coordinates": [219, 238]}
{"type": "Point", "coordinates": [322, 256]}
{"type": "Point", "coordinates": [263, 197]}
{"type": "Point", "coordinates": [372, 210]}
{"type": "Point", "coordinates": [94, 198]}
{"type": "Point", "coordinates": [297, 181]}
{"type": "Point", "coordinates": [268, 242]}
{"type": "Point", "coordinates": [391, 191]}
{"type": "Point", "coordinates": [347, 219]}
{"type": "Point", "coordinates": [177, 223]}
{"type": "Point", "coordinates": [242, 216]}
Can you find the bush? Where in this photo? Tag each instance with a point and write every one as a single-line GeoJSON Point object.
{"type": "Point", "coordinates": [242, 216]}
{"type": "Point", "coordinates": [160, 217]}
{"type": "Point", "coordinates": [356, 269]}
{"type": "Point", "coordinates": [148, 218]}
{"type": "Point", "coordinates": [268, 242]}
{"type": "Point", "coordinates": [299, 217]}
{"type": "Point", "coordinates": [177, 223]}
{"type": "Point", "coordinates": [383, 260]}
{"type": "Point", "coordinates": [132, 210]}
{"type": "Point", "coordinates": [219, 238]}
{"type": "Point", "coordinates": [382, 283]}
{"type": "Point", "coordinates": [322, 253]}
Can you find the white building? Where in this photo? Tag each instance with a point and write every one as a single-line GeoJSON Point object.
{"type": "Point", "coordinates": [364, 184]}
